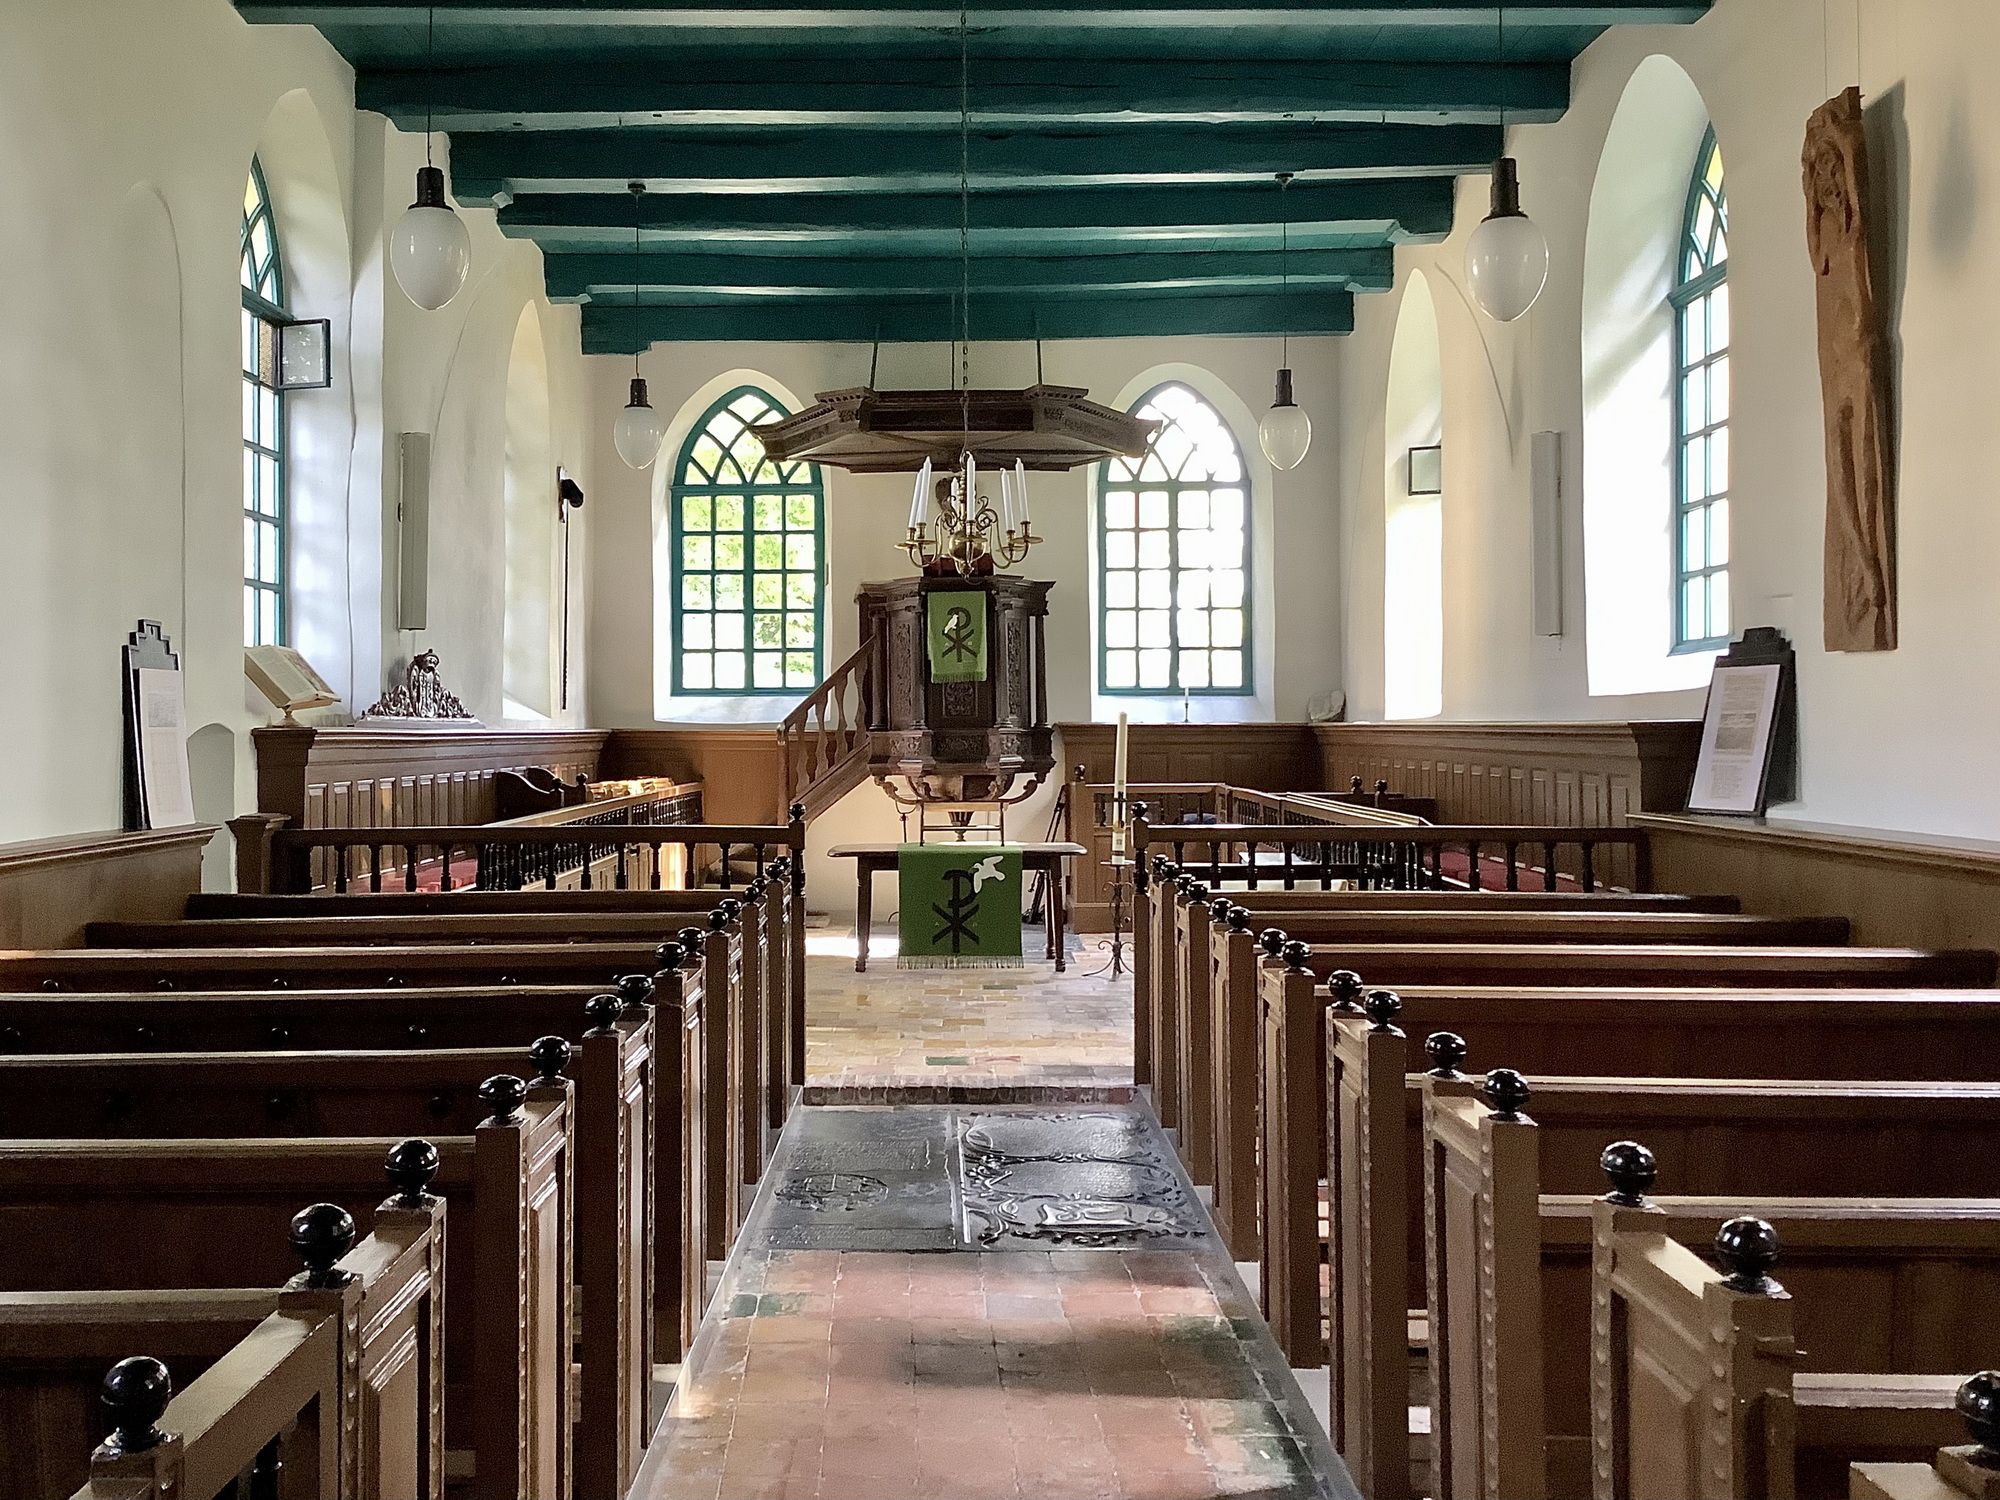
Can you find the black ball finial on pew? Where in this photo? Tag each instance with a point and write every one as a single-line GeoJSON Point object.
{"type": "Point", "coordinates": [320, 1235]}
{"type": "Point", "coordinates": [1978, 1401]}
{"type": "Point", "coordinates": [1505, 1091]}
{"type": "Point", "coordinates": [798, 812]}
{"type": "Point", "coordinates": [1296, 956]}
{"type": "Point", "coordinates": [1747, 1248]}
{"type": "Point", "coordinates": [1345, 988]}
{"type": "Point", "coordinates": [602, 1011]}
{"type": "Point", "coordinates": [1195, 891]}
{"type": "Point", "coordinates": [1381, 788]}
{"type": "Point", "coordinates": [1354, 785]}
{"type": "Point", "coordinates": [1272, 940]}
{"type": "Point", "coordinates": [1239, 919]}
{"type": "Point", "coordinates": [694, 940]}
{"type": "Point", "coordinates": [1165, 869]}
{"type": "Point", "coordinates": [1382, 1007]}
{"type": "Point", "coordinates": [728, 909]}
{"type": "Point", "coordinates": [504, 1094]}
{"type": "Point", "coordinates": [669, 956]}
{"type": "Point", "coordinates": [549, 1055]}
{"type": "Point", "coordinates": [418, 1033]}
{"type": "Point", "coordinates": [1446, 1050]}
{"type": "Point", "coordinates": [410, 1166]}
{"type": "Point", "coordinates": [636, 989]}
{"type": "Point", "coordinates": [135, 1394]}
{"type": "Point", "coordinates": [1219, 909]}
{"type": "Point", "coordinates": [1630, 1169]}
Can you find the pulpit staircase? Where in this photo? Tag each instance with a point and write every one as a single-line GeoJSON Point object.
{"type": "Point", "coordinates": [824, 742]}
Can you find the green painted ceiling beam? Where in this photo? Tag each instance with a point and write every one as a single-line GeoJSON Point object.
{"type": "Point", "coordinates": [626, 330]}
{"type": "Point", "coordinates": [601, 93]}
{"type": "Point", "coordinates": [1391, 208]}
{"type": "Point", "coordinates": [491, 166]}
{"type": "Point", "coordinates": [610, 277]}
{"type": "Point", "coordinates": [635, 14]}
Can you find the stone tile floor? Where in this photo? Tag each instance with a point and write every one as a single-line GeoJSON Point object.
{"type": "Point", "coordinates": [907, 1029]}
{"type": "Point", "coordinates": [1061, 1372]}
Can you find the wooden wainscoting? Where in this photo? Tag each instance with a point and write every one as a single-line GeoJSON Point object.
{"type": "Point", "coordinates": [50, 888]}
{"type": "Point", "coordinates": [740, 766]}
{"type": "Point", "coordinates": [1268, 757]}
{"type": "Point", "coordinates": [372, 778]}
{"type": "Point", "coordinates": [1898, 889]}
{"type": "Point", "coordinates": [1585, 774]}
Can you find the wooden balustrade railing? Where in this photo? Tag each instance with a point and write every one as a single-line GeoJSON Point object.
{"type": "Point", "coordinates": [275, 859]}
{"type": "Point", "coordinates": [824, 741]}
{"type": "Point", "coordinates": [1411, 856]}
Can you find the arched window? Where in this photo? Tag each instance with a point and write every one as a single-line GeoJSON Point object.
{"type": "Point", "coordinates": [748, 539]}
{"type": "Point", "coordinates": [1174, 557]}
{"type": "Point", "coordinates": [1701, 411]}
{"type": "Point", "coordinates": [264, 622]}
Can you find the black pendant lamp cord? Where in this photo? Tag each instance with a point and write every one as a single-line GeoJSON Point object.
{"type": "Point", "coordinates": [638, 264]}
{"type": "Point", "coordinates": [430, 81]}
{"type": "Point", "coordinates": [1285, 268]}
{"type": "Point", "coordinates": [965, 222]}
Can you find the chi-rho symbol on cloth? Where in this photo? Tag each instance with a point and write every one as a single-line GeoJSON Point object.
{"type": "Point", "coordinates": [961, 906]}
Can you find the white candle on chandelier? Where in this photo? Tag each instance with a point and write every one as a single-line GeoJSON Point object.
{"type": "Point", "coordinates": [1007, 507]}
{"type": "Point", "coordinates": [920, 497]}
{"type": "Point", "coordinates": [971, 493]}
{"type": "Point", "coordinates": [1021, 497]}
{"type": "Point", "coordinates": [1118, 791]}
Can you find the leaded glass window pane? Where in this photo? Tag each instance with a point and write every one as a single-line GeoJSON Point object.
{"type": "Point", "coordinates": [1174, 556]}
{"type": "Point", "coordinates": [748, 537]}
{"type": "Point", "coordinates": [1701, 412]}
{"type": "Point", "coordinates": [264, 510]}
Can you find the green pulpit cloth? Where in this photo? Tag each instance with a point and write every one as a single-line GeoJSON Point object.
{"type": "Point", "coordinates": [961, 906]}
{"type": "Point", "coordinates": [956, 627]}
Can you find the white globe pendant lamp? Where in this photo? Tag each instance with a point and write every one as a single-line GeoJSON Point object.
{"type": "Point", "coordinates": [1286, 431]}
{"type": "Point", "coordinates": [638, 432]}
{"type": "Point", "coordinates": [1507, 262]}
{"type": "Point", "coordinates": [429, 249]}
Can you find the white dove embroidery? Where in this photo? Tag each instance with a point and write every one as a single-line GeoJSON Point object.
{"type": "Point", "coordinates": [987, 869]}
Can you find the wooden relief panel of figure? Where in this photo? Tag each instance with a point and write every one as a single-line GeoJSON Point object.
{"type": "Point", "coordinates": [1860, 600]}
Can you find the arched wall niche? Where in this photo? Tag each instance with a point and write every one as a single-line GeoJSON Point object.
{"type": "Point", "coordinates": [748, 709]}
{"type": "Point", "coordinates": [1413, 525]}
{"type": "Point", "coordinates": [1637, 202]}
{"type": "Point", "coordinates": [528, 489]}
{"type": "Point", "coordinates": [331, 551]}
{"type": "Point", "coordinates": [149, 508]}
{"type": "Point", "coordinates": [1241, 419]}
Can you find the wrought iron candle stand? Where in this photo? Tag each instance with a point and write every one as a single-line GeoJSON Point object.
{"type": "Point", "coordinates": [1115, 944]}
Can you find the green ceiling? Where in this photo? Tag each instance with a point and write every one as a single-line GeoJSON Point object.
{"type": "Point", "coordinates": [802, 161]}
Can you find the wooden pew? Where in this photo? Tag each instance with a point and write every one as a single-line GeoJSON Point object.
{"type": "Point", "coordinates": [1196, 977]}
{"type": "Point", "coordinates": [221, 1206]}
{"type": "Point", "coordinates": [379, 1431]}
{"type": "Point", "coordinates": [1374, 1121]}
{"type": "Point", "coordinates": [1962, 1471]}
{"type": "Point", "coordinates": [1506, 1254]}
{"type": "Point", "coordinates": [773, 963]}
{"type": "Point", "coordinates": [1697, 1387]}
{"type": "Point", "coordinates": [1165, 889]}
{"type": "Point", "coordinates": [525, 1184]}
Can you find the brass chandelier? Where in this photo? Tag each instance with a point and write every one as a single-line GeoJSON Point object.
{"type": "Point", "coordinates": [967, 537]}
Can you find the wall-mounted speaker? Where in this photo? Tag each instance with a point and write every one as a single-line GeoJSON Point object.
{"type": "Point", "coordinates": [413, 531]}
{"type": "Point", "coordinates": [1546, 525]}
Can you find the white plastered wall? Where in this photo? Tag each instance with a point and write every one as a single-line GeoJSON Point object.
{"type": "Point", "coordinates": [126, 131]}
{"type": "Point", "coordinates": [1897, 740]}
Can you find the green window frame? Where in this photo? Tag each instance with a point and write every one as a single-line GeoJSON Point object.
{"type": "Point", "coordinates": [1700, 304]}
{"type": "Point", "coordinates": [1173, 558]}
{"type": "Point", "coordinates": [266, 541]}
{"type": "Point", "coordinates": [749, 548]}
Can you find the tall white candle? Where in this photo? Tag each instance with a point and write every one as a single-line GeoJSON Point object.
{"type": "Point", "coordinates": [1118, 790]}
{"type": "Point", "coordinates": [1021, 496]}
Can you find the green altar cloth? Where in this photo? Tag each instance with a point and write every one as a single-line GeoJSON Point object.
{"type": "Point", "coordinates": [961, 906]}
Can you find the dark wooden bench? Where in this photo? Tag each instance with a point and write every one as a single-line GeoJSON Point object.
{"type": "Point", "coordinates": [1374, 1112]}
{"type": "Point", "coordinates": [235, 1355]}
{"type": "Point", "coordinates": [219, 1210]}
{"type": "Point", "coordinates": [1507, 1285]}
{"type": "Point", "coordinates": [600, 1192]}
